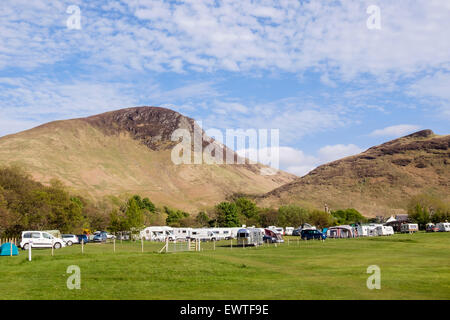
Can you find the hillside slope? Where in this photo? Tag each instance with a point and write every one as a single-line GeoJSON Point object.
{"type": "Point", "coordinates": [379, 181]}
{"type": "Point", "coordinates": [126, 152]}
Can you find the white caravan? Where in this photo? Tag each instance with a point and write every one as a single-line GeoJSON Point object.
{"type": "Point", "coordinates": [443, 226]}
{"type": "Point", "coordinates": [363, 230]}
{"type": "Point", "coordinates": [384, 230]}
{"type": "Point", "coordinates": [157, 233]}
{"type": "Point", "coordinates": [288, 231]}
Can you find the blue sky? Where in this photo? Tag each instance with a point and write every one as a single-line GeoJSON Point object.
{"type": "Point", "coordinates": [312, 69]}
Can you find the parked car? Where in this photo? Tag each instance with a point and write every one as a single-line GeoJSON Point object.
{"type": "Point", "coordinates": [431, 228]}
{"type": "Point", "coordinates": [70, 239]}
{"type": "Point", "coordinates": [100, 237]}
{"type": "Point", "coordinates": [40, 239]}
{"type": "Point", "coordinates": [312, 234]}
{"type": "Point", "coordinates": [82, 237]}
{"type": "Point", "coordinates": [297, 232]}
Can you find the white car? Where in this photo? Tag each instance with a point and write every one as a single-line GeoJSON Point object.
{"type": "Point", "coordinates": [70, 239]}
{"type": "Point", "coordinates": [40, 239]}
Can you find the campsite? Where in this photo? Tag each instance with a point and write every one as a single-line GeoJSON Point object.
{"type": "Point", "coordinates": [413, 266]}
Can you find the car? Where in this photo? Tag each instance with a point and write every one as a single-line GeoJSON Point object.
{"type": "Point", "coordinates": [312, 234]}
{"type": "Point", "coordinates": [297, 232]}
{"type": "Point", "coordinates": [40, 239]}
{"type": "Point", "coordinates": [82, 238]}
{"type": "Point", "coordinates": [70, 239]}
{"type": "Point", "coordinates": [100, 237]}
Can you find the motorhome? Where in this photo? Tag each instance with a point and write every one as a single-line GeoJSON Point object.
{"type": "Point", "coordinates": [384, 230]}
{"type": "Point", "coordinates": [203, 234]}
{"type": "Point", "coordinates": [250, 237]}
{"type": "Point", "coordinates": [443, 226]}
{"type": "Point", "coordinates": [409, 228]}
{"type": "Point", "coordinates": [222, 233]}
{"type": "Point", "coordinates": [157, 234]}
{"type": "Point", "coordinates": [182, 233]}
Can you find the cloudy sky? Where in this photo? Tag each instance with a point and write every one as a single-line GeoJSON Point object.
{"type": "Point", "coordinates": [316, 70]}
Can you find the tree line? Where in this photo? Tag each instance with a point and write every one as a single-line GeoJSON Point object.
{"type": "Point", "coordinates": [26, 204]}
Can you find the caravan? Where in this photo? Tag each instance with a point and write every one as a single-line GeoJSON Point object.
{"type": "Point", "coordinates": [384, 230]}
{"type": "Point", "coordinates": [250, 237]}
{"type": "Point", "coordinates": [443, 226]}
{"type": "Point", "coordinates": [157, 234]}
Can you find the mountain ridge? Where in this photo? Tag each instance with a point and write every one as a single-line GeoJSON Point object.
{"type": "Point", "coordinates": [378, 181]}
{"type": "Point", "coordinates": [128, 151]}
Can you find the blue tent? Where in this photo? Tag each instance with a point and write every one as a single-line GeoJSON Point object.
{"type": "Point", "coordinates": [5, 249]}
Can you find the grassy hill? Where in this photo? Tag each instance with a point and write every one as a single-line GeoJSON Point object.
{"type": "Point", "coordinates": [128, 152]}
{"type": "Point", "coordinates": [379, 181]}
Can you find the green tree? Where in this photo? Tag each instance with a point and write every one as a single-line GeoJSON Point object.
{"type": "Point", "coordinates": [175, 217]}
{"type": "Point", "coordinates": [227, 214]}
{"type": "Point", "coordinates": [320, 219]}
{"type": "Point", "coordinates": [348, 216]}
{"type": "Point", "coordinates": [292, 216]}
{"type": "Point", "coordinates": [202, 219]}
{"type": "Point", "coordinates": [248, 211]}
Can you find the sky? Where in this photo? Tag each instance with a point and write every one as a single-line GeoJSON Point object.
{"type": "Point", "coordinates": [335, 77]}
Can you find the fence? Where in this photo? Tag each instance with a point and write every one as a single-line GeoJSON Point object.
{"type": "Point", "coordinates": [15, 241]}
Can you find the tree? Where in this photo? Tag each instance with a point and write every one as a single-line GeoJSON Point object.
{"type": "Point", "coordinates": [348, 216]}
{"type": "Point", "coordinates": [202, 219]}
{"type": "Point", "coordinates": [175, 217]}
{"type": "Point", "coordinates": [268, 217]}
{"type": "Point", "coordinates": [292, 216]}
{"type": "Point", "coordinates": [227, 214]}
{"type": "Point", "coordinates": [320, 219]}
{"type": "Point", "coordinates": [248, 211]}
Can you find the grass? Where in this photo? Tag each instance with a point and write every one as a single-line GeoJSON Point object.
{"type": "Point", "coordinates": [412, 267]}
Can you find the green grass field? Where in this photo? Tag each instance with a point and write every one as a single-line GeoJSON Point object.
{"type": "Point", "coordinates": [412, 267]}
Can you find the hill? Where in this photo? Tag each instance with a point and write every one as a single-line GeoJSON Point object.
{"type": "Point", "coordinates": [379, 181]}
{"type": "Point", "coordinates": [127, 152]}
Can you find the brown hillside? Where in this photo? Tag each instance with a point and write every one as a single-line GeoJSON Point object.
{"type": "Point", "coordinates": [379, 181]}
{"type": "Point", "coordinates": [128, 151]}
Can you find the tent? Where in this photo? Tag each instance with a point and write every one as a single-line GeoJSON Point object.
{"type": "Point", "coordinates": [5, 249]}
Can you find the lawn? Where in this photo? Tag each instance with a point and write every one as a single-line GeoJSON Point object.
{"type": "Point", "coordinates": [412, 267]}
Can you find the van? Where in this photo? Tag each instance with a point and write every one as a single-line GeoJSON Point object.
{"type": "Point", "coordinates": [40, 239]}
{"type": "Point", "coordinates": [409, 228]}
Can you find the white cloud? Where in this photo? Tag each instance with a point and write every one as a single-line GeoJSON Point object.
{"type": "Point", "coordinates": [297, 162]}
{"type": "Point", "coordinates": [338, 151]}
{"type": "Point", "coordinates": [395, 131]}
{"type": "Point", "coordinates": [230, 35]}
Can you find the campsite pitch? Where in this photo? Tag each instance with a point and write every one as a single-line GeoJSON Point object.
{"type": "Point", "coordinates": [413, 266]}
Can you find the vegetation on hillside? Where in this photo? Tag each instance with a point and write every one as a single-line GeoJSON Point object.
{"type": "Point", "coordinates": [29, 205]}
